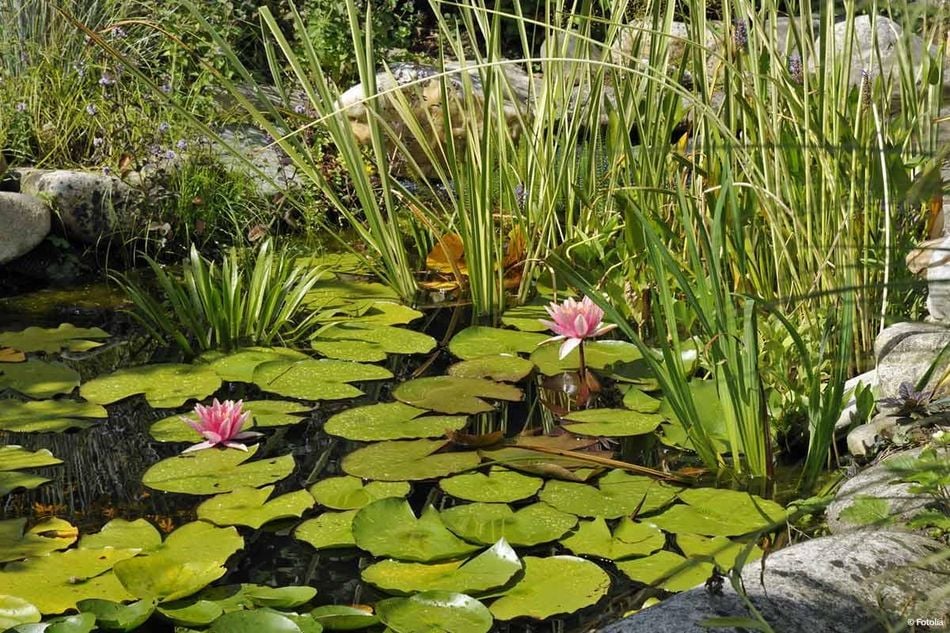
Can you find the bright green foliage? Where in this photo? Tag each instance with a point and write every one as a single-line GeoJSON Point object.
{"type": "Point", "coordinates": [329, 530]}
{"type": "Point", "coordinates": [487, 522]}
{"type": "Point", "coordinates": [388, 527]}
{"type": "Point", "coordinates": [114, 616]}
{"type": "Point", "coordinates": [119, 533]}
{"type": "Point", "coordinates": [617, 494]}
{"type": "Point", "coordinates": [52, 340]}
{"type": "Point", "coordinates": [391, 421]}
{"type": "Point", "coordinates": [498, 486]}
{"type": "Point", "coordinates": [44, 416]}
{"type": "Point", "coordinates": [315, 379]}
{"type": "Point", "coordinates": [343, 618]}
{"type": "Point", "coordinates": [719, 549]}
{"type": "Point", "coordinates": [249, 506]}
{"type": "Point", "coordinates": [38, 379]}
{"type": "Point", "coordinates": [629, 538]}
{"type": "Point", "coordinates": [212, 471]}
{"type": "Point", "coordinates": [410, 460]}
{"type": "Point", "coordinates": [349, 493]}
{"type": "Point", "coordinates": [611, 422]}
{"type": "Point", "coordinates": [15, 611]}
{"type": "Point", "coordinates": [540, 592]}
{"type": "Point", "coordinates": [476, 341]}
{"type": "Point", "coordinates": [451, 394]}
{"type": "Point", "coordinates": [13, 457]}
{"type": "Point", "coordinates": [164, 385]}
{"type": "Point", "coordinates": [435, 611]}
{"type": "Point", "coordinates": [667, 570]}
{"type": "Point", "coordinates": [47, 536]}
{"type": "Point", "coordinates": [717, 512]}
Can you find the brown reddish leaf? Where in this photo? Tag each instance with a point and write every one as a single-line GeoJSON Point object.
{"type": "Point", "coordinates": [516, 248]}
{"type": "Point", "coordinates": [448, 255]}
{"type": "Point", "coordinates": [440, 285]}
{"type": "Point", "coordinates": [126, 164]}
{"type": "Point", "coordinates": [10, 355]}
{"type": "Point", "coordinates": [561, 441]}
{"type": "Point", "coordinates": [256, 232]}
{"type": "Point", "coordinates": [474, 441]}
{"type": "Point", "coordinates": [200, 227]}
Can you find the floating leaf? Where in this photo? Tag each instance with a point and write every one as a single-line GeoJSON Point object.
{"type": "Point", "coordinates": [341, 292]}
{"type": "Point", "coordinates": [498, 486]}
{"type": "Point", "coordinates": [191, 557]}
{"type": "Point", "coordinates": [288, 597]}
{"type": "Point", "coordinates": [718, 549]}
{"type": "Point", "coordinates": [38, 379]}
{"type": "Point", "coordinates": [14, 480]}
{"type": "Point", "coordinates": [451, 394]}
{"type": "Point", "coordinates": [488, 571]}
{"type": "Point", "coordinates": [711, 416]}
{"type": "Point", "coordinates": [15, 611]}
{"type": "Point", "coordinates": [543, 464]}
{"type": "Point", "coordinates": [206, 606]}
{"type": "Point", "coordinates": [255, 621]}
{"type": "Point", "coordinates": [316, 379]}
{"type": "Point", "coordinates": [612, 422]}
{"type": "Point", "coordinates": [44, 416]}
{"type": "Point", "coordinates": [164, 385]}
{"type": "Point", "coordinates": [385, 339]}
{"type": "Point", "coordinates": [239, 365]}
{"type": "Point", "coordinates": [434, 611]}
{"type": "Point", "coordinates": [617, 494]}
{"type": "Point", "coordinates": [500, 367]}
{"type": "Point", "coordinates": [79, 623]}
{"type": "Point", "coordinates": [635, 400]}
{"type": "Point", "coordinates": [329, 530]}
{"type": "Point", "coordinates": [390, 421]}
{"type": "Point", "coordinates": [119, 533]}
{"type": "Point", "coordinates": [338, 617]}
{"type": "Point", "coordinates": [13, 457]}
{"type": "Point", "coordinates": [213, 471]}
{"type": "Point", "coordinates": [603, 355]}
{"type": "Point", "coordinates": [478, 340]}
{"type": "Point", "coordinates": [552, 585]}
{"type": "Point", "coordinates": [407, 461]}
{"type": "Point", "coordinates": [593, 538]}
{"type": "Point", "coordinates": [666, 570]}
{"type": "Point", "coordinates": [487, 522]}
{"type": "Point", "coordinates": [718, 512]}
{"type": "Point", "coordinates": [388, 527]}
{"type": "Point", "coordinates": [191, 612]}
{"type": "Point", "coordinates": [52, 340]}
{"type": "Point", "coordinates": [349, 493]}
{"type": "Point", "coordinates": [10, 355]}
{"type": "Point", "coordinates": [526, 318]}
{"type": "Point", "coordinates": [249, 506]}
{"type": "Point", "coordinates": [49, 535]}
{"type": "Point", "coordinates": [115, 616]}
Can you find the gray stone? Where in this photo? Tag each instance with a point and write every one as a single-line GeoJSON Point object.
{"type": "Point", "coordinates": [89, 205]}
{"type": "Point", "coordinates": [880, 483]}
{"type": "Point", "coordinates": [635, 40]}
{"type": "Point", "coordinates": [834, 584]}
{"type": "Point", "coordinates": [905, 351]}
{"type": "Point", "coordinates": [25, 221]}
{"type": "Point", "coordinates": [862, 438]}
{"type": "Point", "coordinates": [868, 379]}
{"type": "Point", "coordinates": [254, 153]}
{"type": "Point", "coordinates": [568, 54]}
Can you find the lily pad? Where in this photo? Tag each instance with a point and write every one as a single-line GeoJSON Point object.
{"type": "Point", "coordinates": [490, 570]}
{"type": "Point", "coordinates": [603, 355]}
{"type": "Point", "coordinates": [410, 460]}
{"type": "Point", "coordinates": [526, 318]}
{"type": "Point", "coordinates": [164, 385]}
{"type": "Point", "coordinates": [255, 621]}
{"type": "Point", "coordinates": [316, 379]}
{"type": "Point", "coordinates": [44, 416]}
{"type": "Point", "coordinates": [389, 528]}
{"type": "Point", "coordinates": [239, 365]}
{"type": "Point", "coordinates": [191, 611]}
{"type": "Point", "coordinates": [551, 586]}
{"type": "Point", "coordinates": [612, 422]}
{"type": "Point", "coordinates": [356, 351]}
{"type": "Point", "coordinates": [719, 549]}
{"type": "Point", "coordinates": [338, 617]}
{"type": "Point", "coordinates": [478, 340]}
{"type": "Point", "coordinates": [711, 416]}
{"type": "Point", "coordinates": [667, 570]}
{"type": "Point", "coordinates": [349, 493]}
{"type": "Point", "coordinates": [52, 340]}
{"type": "Point", "coordinates": [12, 457]}
{"type": "Point", "coordinates": [499, 367]}
{"type": "Point", "coordinates": [500, 485]}
{"type": "Point", "coordinates": [249, 506]}
{"type": "Point", "coordinates": [434, 611]}
{"type": "Point", "coordinates": [629, 538]}
{"type": "Point", "coordinates": [635, 400]}
{"type": "Point", "coordinates": [264, 414]}
{"type": "Point", "coordinates": [384, 339]}
{"type": "Point", "coordinates": [115, 616]}
{"type": "Point", "coordinates": [49, 535]}
{"type": "Point", "coordinates": [618, 494]}
{"type": "Point", "coordinates": [15, 611]}
{"type": "Point", "coordinates": [487, 522]}
{"type": "Point", "coordinates": [718, 512]}
{"type": "Point", "coordinates": [192, 557]}
{"type": "Point", "coordinates": [288, 597]}
{"type": "Point", "coordinates": [451, 394]}
{"type": "Point", "coordinates": [38, 379]}
{"type": "Point", "coordinates": [119, 533]}
{"type": "Point", "coordinates": [341, 292]}
{"type": "Point", "coordinates": [329, 530]}
{"type": "Point", "coordinates": [390, 421]}
{"type": "Point", "coordinates": [543, 464]}
{"type": "Point", "coordinates": [213, 471]}
{"type": "Point", "coordinates": [79, 623]}
{"type": "Point", "coordinates": [206, 606]}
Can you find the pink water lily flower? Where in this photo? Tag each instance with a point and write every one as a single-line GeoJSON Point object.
{"type": "Point", "coordinates": [220, 425]}
{"type": "Point", "coordinates": [573, 321]}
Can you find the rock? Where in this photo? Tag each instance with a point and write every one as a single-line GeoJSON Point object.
{"type": "Point", "coordinates": [932, 260]}
{"type": "Point", "coordinates": [862, 438]}
{"type": "Point", "coordinates": [905, 351]}
{"type": "Point", "coordinates": [836, 584]}
{"type": "Point", "coordinates": [868, 379]}
{"type": "Point", "coordinates": [635, 39]}
{"type": "Point", "coordinates": [25, 221]}
{"type": "Point", "coordinates": [89, 205]}
{"type": "Point", "coordinates": [561, 49]}
{"type": "Point", "coordinates": [270, 168]}
{"type": "Point", "coordinates": [880, 483]}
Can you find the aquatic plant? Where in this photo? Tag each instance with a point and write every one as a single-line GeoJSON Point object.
{"type": "Point", "coordinates": [221, 424]}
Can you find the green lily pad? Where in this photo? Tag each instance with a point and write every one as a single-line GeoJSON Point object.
{"type": "Point", "coordinates": [612, 422]}
{"type": "Point", "coordinates": [329, 530]}
{"type": "Point", "coordinates": [122, 534]}
{"type": "Point", "coordinates": [191, 612]}
{"type": "Point", "coordinates": [349, 493]}
{"type": "Point", "coordinates": [451, 394]}
{"type": "Point", "coordinates": [239, 365]}
{"type": "Point", "coordinates": [500, 367]}
{"type": "Point", "coordinates": [551, 586]}
{"type": "Point", "coordinates": [719, 549]}
{"type": "Point", "coordinates": [79, 623]}
{"type": "Point", "coordinates": [341, 292]}
{"type": "Point", "coordinates": [49, 535]}
{"type": "Point", "coordinates": [49, 582]}
{"type": "Point", "coordinates": [666, 570]}
{"type": "Point", "coordinates": [388, 527]}
{"type": "Point", "coordinates": [249, 506]}
{"type": "Point", "coordinates": [526, 318]}
{"type": "Point", "coordinates": [390, 421]}
{"type": "Point", "coordinates": [718, 512]}
{"type": "Point", "coordinates": [603, 355]}
{"type": "Point", "coordinates": [478, 340]}
{"type": "Point", "coordinates": [490, 570]}
{"type": "Point", "coordinates": [115, 616]}
{"type": "Point", "coordinates": [38, 379]}
{"type": "Point", "coordinates": [288, 597]}
{"type": "Point", "coordinates": [264, 414]}
{"type": "Point", "coordinates": [15, 480]}
{"type": "Point", "coordinates": [15, 611]}
{"type": "Point", "coordinates": [255, 621]}
{"type": "Point", "coordinates": [316, 379]}
{"type": "Point", "coordinates": [385, 339]}
{"type": "Point", "coordinates": [384, 313]}
{"type": "Point", "coordinates": [206, 606]}
{"type": "Point", "coordinates": [164, 385]}
{"type": "Point", "coordinates": [356, 351]}
{"type": "Point", "coordinates": [593, 538]}
{"type": "Point", "coordinates": [213, 471]}
{"type": "Point", "coordinates": [434, 611]}
{"type": "Point", "coordinates": [500, 485]}
{"type": "Point", "coordinates": [52, 340]}
{"type": "Point", "coordinates": [487, 522]}
{"type": "Point", "coordinates": [635, 400]}
{"type": "Point", "coordinates": [192, 557]}
{"type": "Point", "coordinates": [410, 460]}
{"type": "Point", "coordinates": [617, 494]}
{"type": "Point", "coordinates": [711, 416]}
{"type": "Point", "coordinates": [338, 617]}
{"type": "Point", "coordinates": [12, 457]}
{"type": "Point", "coordinates": [44, 416]}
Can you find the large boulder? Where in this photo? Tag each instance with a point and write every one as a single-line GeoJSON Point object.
{"type": "Point", "coordinates": [25, 221]}
{"type": "Point", "coordinates": [905, 351]}
{"type": "Point", "coordinates": [836, 584]}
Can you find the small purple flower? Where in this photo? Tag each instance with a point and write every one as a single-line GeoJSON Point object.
{"type": "Point", "coordinates": [166, 87]}
{"type": "Point", "coordinates": [182, 145]}
{"type": "Point", "coordinates": [521, 194]}
{"type": "Point", "coordinates": [740, 33]}
{"type": "Point", "coordinates": [20, 107]}
{"type": "Point", "coordinates": [118, 33]}
{"type": "Point", "coordinates": [795, 68]}
{"type": "Point", "coordinates": [106, 80]}
{"type": "Point", "coordinates": [866, 81]}
{"type": "Point", "coordinates": [91, 109]}
{"type": "Point", "coordinates": [98, 141]}
{"type": "Point", "coordinates": [170, 155]}
{"type": "Point", "coordinates": [106, 171]}
{"type": "Point", "coordinates": [163, 127]}
{"type": "Point", "coordinates": [80, 68]}
{"type": "Point", "coordinates": [155, 150]}
{"type": "Point", "coordinates": [300, 109]}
